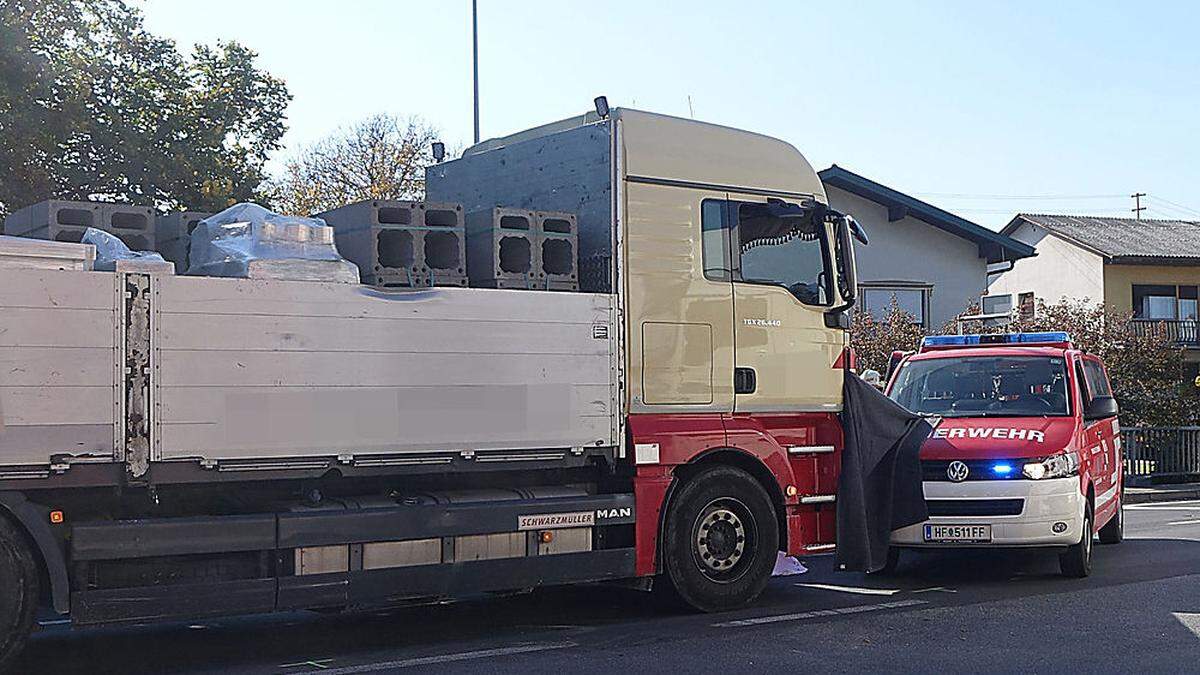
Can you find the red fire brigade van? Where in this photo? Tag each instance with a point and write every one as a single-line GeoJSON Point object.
{"type": "Point", "coordinates": [1026, 448]}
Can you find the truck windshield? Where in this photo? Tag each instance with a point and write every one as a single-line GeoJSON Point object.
{"type": "Point", "coordinates": [983, 386]}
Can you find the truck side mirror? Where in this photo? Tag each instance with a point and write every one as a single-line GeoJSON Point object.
{"type": "Point", "coordinates": [846, 272]}
{"type": "Point", "coordinates": [1100, 408]}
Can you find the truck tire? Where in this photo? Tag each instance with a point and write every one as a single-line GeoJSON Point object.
{"type": "Point", "coordinates": [720, 540]}
{"type": "Point", "coordinates": [1076, 561]}
{"type": "Point", "coordinates": [18, 592]}
{"type": "Point", "coordinates": [1113, 531]}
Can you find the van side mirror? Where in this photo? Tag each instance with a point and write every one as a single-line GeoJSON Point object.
{"type": "Point", "coordinates": [1100, 408]}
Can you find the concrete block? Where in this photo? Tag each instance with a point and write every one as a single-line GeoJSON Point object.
{"type": "Point", "coordinates": [177, 224]}
{"type": "Point", "coordinates": [173, 236]}
{"type": "Point", "coordinates": [501, 248]}
{"type": "Point", "coordinates": [62, 220]}
{"type": "Point", "coordinates": [125, 218]}
{"type": "Point", "coordinates": [402, 243]}
{"type": "Point", "coordinates": [557, 240]}
{"type": "Point", "coordinates": [55, 213]}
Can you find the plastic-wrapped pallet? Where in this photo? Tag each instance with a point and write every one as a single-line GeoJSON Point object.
{"type": "Point", "coordinates": [250, 242]}
{"type": "Point", "coordinates": [113, 255]}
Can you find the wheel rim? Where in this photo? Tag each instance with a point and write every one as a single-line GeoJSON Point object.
{"type": "Point", "coordinates": [724, 537]}
{"type": "Point", "coordinates": [1088, 535]}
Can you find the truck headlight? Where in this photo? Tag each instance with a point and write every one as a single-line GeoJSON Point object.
{"type": "Point", "coordinates": [1054, 466]}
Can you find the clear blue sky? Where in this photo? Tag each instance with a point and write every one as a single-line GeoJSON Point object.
{"type": "Point", "coordinates": [1085, 101]}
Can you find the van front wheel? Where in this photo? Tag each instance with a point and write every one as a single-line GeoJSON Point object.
{"type": "Point", "coordinates": [1076, 561]}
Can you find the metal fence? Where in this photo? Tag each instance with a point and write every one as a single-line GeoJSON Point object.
{"type": "Point", "coordinates": [1163, 454]}
{"type": "Point", "coordinates": [1180, 332]}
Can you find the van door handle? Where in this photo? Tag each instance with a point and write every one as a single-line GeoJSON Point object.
{"type": "Point", "coordinates": [744, 381]}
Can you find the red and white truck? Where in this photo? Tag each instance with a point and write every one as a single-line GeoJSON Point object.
{"type": "Point", "coordinates": [183, 446]}
{"type": "Point", "coordinates": [1026, 451]}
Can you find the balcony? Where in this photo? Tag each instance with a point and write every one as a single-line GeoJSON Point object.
{"type": "Point", "coordinates": [1185, 333]}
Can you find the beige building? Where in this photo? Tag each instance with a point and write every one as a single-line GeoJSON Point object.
{"type": "Point", "coordinates": [1148, 267]}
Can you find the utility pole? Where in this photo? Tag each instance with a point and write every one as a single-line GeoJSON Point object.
{"type": "Point", "coordinates": [1137, 204]}
{"type": "Point", "coordinates": [475, 60]}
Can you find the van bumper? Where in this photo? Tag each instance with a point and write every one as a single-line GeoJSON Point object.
{"type": "Point", "coordinates": [1045, 503]}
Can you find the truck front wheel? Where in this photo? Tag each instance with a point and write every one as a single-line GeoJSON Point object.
{"type": "Point", "coordinates": [720, 539]}
{"type": "Point", "coordinates": [18, 592]}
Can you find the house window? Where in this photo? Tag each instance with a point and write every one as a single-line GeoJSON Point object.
{"type": "Point", "coordinates": [912, 300]}
{"type": "Point", "coordinates": [1026, 306]}
{"type": "Point", "coordinates": [996, 304]}
{"type": "Point", "coordinates": [1163, 302]}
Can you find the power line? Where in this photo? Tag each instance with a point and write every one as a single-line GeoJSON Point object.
{"type": "Point", "coordinates": [1179, 207]}
{"type": "Point", "coordinates": [963, 195]}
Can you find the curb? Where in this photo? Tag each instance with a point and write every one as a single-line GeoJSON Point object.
{"type": "Point", "coordinates": [1154, 496]}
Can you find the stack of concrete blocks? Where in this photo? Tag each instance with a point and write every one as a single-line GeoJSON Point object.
{"type": "Point", "coordinates": [173, 233]}
{"type": "Point", "coordinates": [60, 220]}
{"type": "Point", "coordinates": [502, 248]}
{"type": "Point", "coordinates": [399, 244]}
{"type": "Point", "coordinates": [557, 244]}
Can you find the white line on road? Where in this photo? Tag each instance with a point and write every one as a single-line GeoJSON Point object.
{"type": "Point", "coordinates": [1166, 506]}
{"type": "Point", "coordinates": [935, 589]}
{"type": "Point", "coordinates": [852, 589]}
{"type": "Point", "coordinates": [1185, 522]}
{"type": "Point", "coordinates": [1190, 621]}
{"type": "Point", "coordinates": [444, 658]}
{"type": "Point", "coordinates": [819, 613]}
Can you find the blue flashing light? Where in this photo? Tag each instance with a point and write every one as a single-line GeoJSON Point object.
{"type": "Point", "coordinates": [1045, 337]}
{"type": "Point", "coordinates": [950, 340]}
{"type": "Point", "coordinates": [1002, 469]}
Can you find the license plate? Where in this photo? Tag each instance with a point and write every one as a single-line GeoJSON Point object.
{"type": "Point", "coordinates": [958, 533]}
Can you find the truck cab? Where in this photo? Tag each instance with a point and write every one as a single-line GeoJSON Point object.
{"type": "Point", "coordinates": [1026, 447]}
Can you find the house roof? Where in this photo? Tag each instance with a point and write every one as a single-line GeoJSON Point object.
{"type": "Point", "coordinates": [1123, 240]}
{"type": "Point", "coordinates": [994, 246]}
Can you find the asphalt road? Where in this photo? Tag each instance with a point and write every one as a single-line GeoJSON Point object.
{"type": "Point", "coordinates": [969, 611]}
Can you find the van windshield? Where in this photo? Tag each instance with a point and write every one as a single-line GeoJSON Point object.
{"type": "Point", "coordinates": [983, 386]}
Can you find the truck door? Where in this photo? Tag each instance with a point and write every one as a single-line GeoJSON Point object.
{"type": "Point", "coordinates": [1102, 433]}
{"type": "Point", "coordinates": [680, 300]}
{"type": "Point", "coordinates": [782, 273]}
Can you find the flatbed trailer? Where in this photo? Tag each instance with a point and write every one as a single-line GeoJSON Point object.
{"type": "Point", "coordinates": [177, 447]}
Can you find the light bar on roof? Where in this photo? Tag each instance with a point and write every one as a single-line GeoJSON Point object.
{"type": "Point", "coordinates": [1045, 337]}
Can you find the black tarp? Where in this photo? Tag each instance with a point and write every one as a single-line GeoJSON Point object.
{"type": "Point", "coordinates": [880, 485]}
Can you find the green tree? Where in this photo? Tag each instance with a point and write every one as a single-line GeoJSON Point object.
{"type": "Point", "coordinates": [94, 106]}
{"type": "Point", "coordinates": [381, 157]}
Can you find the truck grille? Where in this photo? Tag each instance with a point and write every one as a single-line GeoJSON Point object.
{"type": "Point", "coordinates": [975, 507]}
{"type": "Point", "coordinates": [979, 469]}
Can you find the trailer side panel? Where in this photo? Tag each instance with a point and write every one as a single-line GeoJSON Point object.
{"type": "Point", "coordinates": [250, 369]}
{"type": "Point", "coordinates": [58, 365]}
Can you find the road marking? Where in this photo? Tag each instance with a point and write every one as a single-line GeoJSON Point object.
{"type": "Point", "coordinates": [315, 663]}
{"type": "Point", "coordinates": [852, 589]}
{"type": "Point", "coordinates": [819, 613]}
{"type": "Point", "coordinates": [1166, 506]}
{"type": "Point", "coordinates": [54, 622]}
{"type": "Point", "coordinates": [444, 658]}
{"type": "Point", "coordinates": [935, 589]}
{"type": "Point", "coordinates": [1185, 522]}
{"type": "Point", "coordinates": [1190, 621]}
